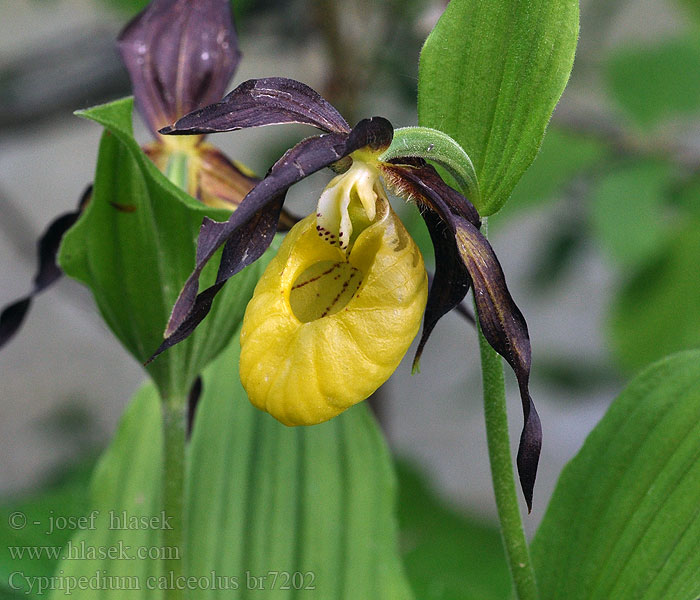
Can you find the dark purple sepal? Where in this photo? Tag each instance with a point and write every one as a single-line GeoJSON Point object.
{"type": "Point", "coordinates": [219, 181]}
{"type": "Point", "coordinates": [501, 322]}
{"type": "Point", "coordinates": [251, 227]}
{"type": "Point", "coordinates": [413, 178]}
{"type": "Point", "coordinates": [450, 283]}
{"type": "Point", "coordinates": [181, 55]}
{"type": "Point", "coordinates": [258, 102]}
{"type": "Point", "coordinates": [12, 317]}
{"type": "Point", "coordinates": [48, 271]}
{"type": "Point", "coordinates": [505, 329]}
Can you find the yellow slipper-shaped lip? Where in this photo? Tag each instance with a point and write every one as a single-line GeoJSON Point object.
{"type": "Point", "coordinates": [326, 328]}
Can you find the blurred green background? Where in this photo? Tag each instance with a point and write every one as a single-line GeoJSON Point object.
{"type": "Point", "coordinates": [600, 244]}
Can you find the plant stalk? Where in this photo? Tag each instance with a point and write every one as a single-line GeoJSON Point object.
{"type": "Point", "coordinates": [174, 435]}
{"type": "Point", "coordinates": [502, 473]}
{"type": "Point", "coordinates": [174, 409]}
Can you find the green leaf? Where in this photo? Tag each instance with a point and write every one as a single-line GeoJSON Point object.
{"type": "Point", "coordinates": [263, 500]}
{"type": "Point", "coordinates": [657, 82]}
{"type": "Point", "coordinates": [658, 310]}
{"type": "Point", "coordinates": [627, 211]}
{"type": "Point", "coordinates": [125, 485]}
{"type": "Point", "coordinates": [691, 8]}
{"type": "Point", "coordinates": [686, 195]}
{"type": "Point", "coordinates": [313, 500]}
{"type": "Point", "coordinates": [448, 555]}
{"type": "Point", "coordinates": [624, 520]}
{"type": "Point", "coordinates": [490, 76]}
{"type": "Point", "coordinates": [135, 246]}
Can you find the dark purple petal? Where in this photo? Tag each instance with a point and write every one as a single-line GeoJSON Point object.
{"type": "Point", "coordinates": [317, 152]}
{"type": "Point", "coordinates": [502, 323]}
{"type": "Point", "coordinates": [450, 283]}
{"type": "Point", "coordinates": [251, 227]}
{"type": "Point", "coordinates": [181, 55]}
{"type": "Point", "coordinates": [48, 271]}
{"type": "Point", "coordinates": [12, 317]}
{"type": "Point", "coordinates": [258, 102]}
{"type": "Point", "coordinates": [252, 240]}
{"type": "Point", "coordinates": [421, 180]}
{"type": "Point", "coordinates": [505, 329]}
{"type": "Point", "coordinates": [462, 308]}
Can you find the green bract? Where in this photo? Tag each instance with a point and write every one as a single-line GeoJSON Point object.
{"type": "Point", "coordinates": [490, 76]}
{"type": "Point", "coordinates": [134, 247]}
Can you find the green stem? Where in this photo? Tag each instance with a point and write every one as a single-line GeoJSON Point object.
{"type": "Point", "coordinates": [174, 429]}
{"type": "Point", "coordinates": [174, 440]}
{"type": "Point", "coordinates": [176, 170]}
{"type": "Point", "coordinates": [502, 474]}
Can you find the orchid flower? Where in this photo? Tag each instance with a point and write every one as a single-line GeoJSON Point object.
{"type": "Point", "coordinates": [180, 55]}
{"type": "Point", "coordinates": [339, 305]}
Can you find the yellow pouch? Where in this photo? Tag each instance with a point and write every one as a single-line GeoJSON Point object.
{"type": "Point", "coordinates": [327, 326]}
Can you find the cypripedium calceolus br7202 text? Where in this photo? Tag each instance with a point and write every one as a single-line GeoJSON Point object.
{"type": "Point", "coordinates": [338, 307]}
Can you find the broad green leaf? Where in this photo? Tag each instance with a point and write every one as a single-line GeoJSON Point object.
{"type": "Point", "coordinates": [651, 83]}
{"type": "Point", "coordinates": [267, 498]}
{"type": "Point", "coordinates": [658, 310]}
{"type": "Point", "coordinates": [135, 246]}
{"type": "Point", "coordinates": [490, 75]}
{"type": "Point", "coordinates": [263, 501]}
{"type": "Point", "coordinates": [687, 195]}
{"type": "Point", "coordinates": [448, 556]}
{"type": "Point", "coordinates": [627, 211]}
{"type": "Point", "coordinates": [125, 486]}
{"type": "Point", "coordinates": [624, 520]}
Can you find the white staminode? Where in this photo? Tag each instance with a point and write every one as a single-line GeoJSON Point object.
{"type": "Point", "coordinates": [332, 216]}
